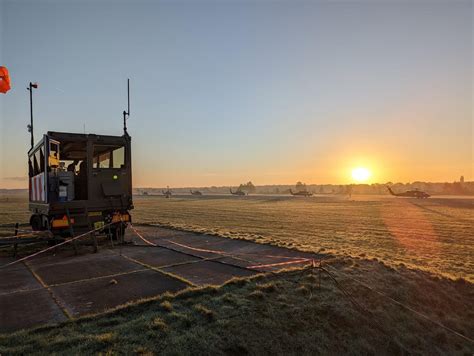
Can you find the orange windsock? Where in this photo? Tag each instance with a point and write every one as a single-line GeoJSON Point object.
{"type": "Point", "coordinates": [4, 80]}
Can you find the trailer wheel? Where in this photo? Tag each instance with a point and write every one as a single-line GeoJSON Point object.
{"type": "Point", "coordinates": [36, 223]}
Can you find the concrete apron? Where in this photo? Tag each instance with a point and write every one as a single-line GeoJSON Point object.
{"type": "Point", "coordinates": [59, 285]}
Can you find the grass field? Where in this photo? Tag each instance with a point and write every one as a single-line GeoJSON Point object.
{"type": "Point", "coordinates": [436, 234]}
{"type": "Point", "coordinates": [418, 252]}
{"type": "Point", "coordinates": [283, 314]}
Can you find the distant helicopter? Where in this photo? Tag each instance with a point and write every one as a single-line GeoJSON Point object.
{"type": "Point", "coordinates": [237, 192]}
{"type": "Point", "coordinates": [301, 193]}
{"type": "Point", "coordinates": [410, 194]}
{"type": "Point", "coordinates": [196, 192]}
{"type": "Point", "coordinates": [168, 193]}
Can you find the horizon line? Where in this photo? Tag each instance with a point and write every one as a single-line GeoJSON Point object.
{"type": "Point", "coordinates": [274, 185]}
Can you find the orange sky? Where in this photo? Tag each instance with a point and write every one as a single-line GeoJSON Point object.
{"type": "Point", "coordinates": [227, 92]}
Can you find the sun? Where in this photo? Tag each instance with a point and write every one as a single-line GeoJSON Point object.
{"type": "Point", "coordinates": [361, 174]}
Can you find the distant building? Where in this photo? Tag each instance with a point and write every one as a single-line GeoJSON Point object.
{"type": "Point", "coordinates": [461, 180]}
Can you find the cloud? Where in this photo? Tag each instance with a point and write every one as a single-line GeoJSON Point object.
{"type": "Point", "coordinates": [16, 179]}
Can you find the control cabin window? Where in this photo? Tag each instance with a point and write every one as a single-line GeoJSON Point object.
{"type": "Point", "coordinates": [68, 165]}
{"type": "Point", "coordinates": [108, 156]}
{"type": "Point", "coordinates": [53, 159]}
{"type": "Point", "coordinates": [36, 163]}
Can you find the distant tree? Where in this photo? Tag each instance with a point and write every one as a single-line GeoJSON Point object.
{"type": "Point", "coordinates": [300, 186]}
{"type": "Point", "coordinates": [247, 187]}
{"type": "Point", "coordinates": [321, 189]}
{"type": "Point", "coordinates": [349, 190]}
{"type": "Point", "coordinates": [457, 188]}
{"type": "Point", "coordinates": [446, 188]}
{"type": "Point", "coordinates": [251, 187]}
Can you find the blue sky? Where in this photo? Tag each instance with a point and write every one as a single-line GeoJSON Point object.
{"type": "Point", "coordinates": [231, 91]}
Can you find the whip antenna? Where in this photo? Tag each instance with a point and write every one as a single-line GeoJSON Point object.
{"type": "Point", "coordinates": [126, 114]}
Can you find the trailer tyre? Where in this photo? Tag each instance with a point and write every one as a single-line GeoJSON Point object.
{"type": "Point", "coordinates": [36, 223]}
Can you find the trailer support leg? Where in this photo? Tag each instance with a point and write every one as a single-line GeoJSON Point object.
{"type": "Point", "coordinates": [111, 237]}
{"type": "Point", "coordinates": [93, 235]}
{"type": "Point", "coordinates": [71, 230]}
{"type": "Point", "coordinates": [15, 245]}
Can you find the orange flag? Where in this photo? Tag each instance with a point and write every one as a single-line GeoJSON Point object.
{"type": "Point", "coordinates": [4, 80]}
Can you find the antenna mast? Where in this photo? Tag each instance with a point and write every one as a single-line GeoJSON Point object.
{"type": "Point", "coordinates": [126, 114]}
{"type": "Point", "coordinates": [30, 126]}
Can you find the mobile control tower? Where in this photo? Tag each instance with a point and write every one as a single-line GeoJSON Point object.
{"type": "Point", "coordinates": [80, 182]}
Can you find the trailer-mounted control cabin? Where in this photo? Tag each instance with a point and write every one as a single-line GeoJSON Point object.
{"type": "Point", "coordinates": [84, 179]}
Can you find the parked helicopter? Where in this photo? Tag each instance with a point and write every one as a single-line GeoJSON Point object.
{"type": "Point", "coordinates": [302, 193]}
{"type": "Point", "coordinates": [410, 194]}
{"type": "Point", "coordinates": [167, 193]}
{"type": "Point", "coordinates": [238, 192]}
{"type": "Point", "coordinates": [196, 192]}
